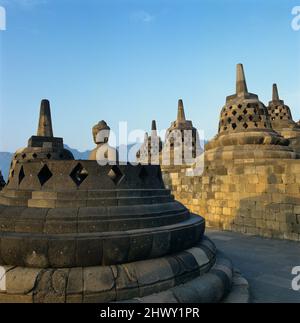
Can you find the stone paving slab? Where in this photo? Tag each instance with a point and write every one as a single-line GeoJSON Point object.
{"type": "Point", "coordinates": [265, 263]}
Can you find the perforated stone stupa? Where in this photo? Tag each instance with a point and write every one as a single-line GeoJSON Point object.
{"type": "Point", "coordinates": [75, 231]}
{"type": "Point", "coordinates": [182, 144]}
{"type": "Point", "coordinates": [150, 151]}
{"type": "Point", "coordinates": [245, 129]}
{"type": "Point", "coordinates": [282, 120]}
{"type": "Point", "coordinates": [44, 145]}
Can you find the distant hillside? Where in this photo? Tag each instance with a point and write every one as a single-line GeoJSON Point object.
{"type": "Point", "coordinates": [78, 154]}
{"type": "Point", "coordinates": [85, 155]}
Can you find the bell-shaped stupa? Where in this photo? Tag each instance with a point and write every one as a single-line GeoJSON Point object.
{"type": "Point", "coordinates": [150, 151]}
{"type": "Point", "coordinates": [245, 129]}
{"type": "Point", "coordinates": [44, 145]}
{"type": "Point", "coordinates": [282, 120]}
{"type": "Point", "coordinates": [182, 143]}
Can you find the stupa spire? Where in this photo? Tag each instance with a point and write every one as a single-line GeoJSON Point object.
{"type": "Point", "coordinates": [45, 122]}
{"type": "Point", "coordinates": [241, 85]}
{"type": "Point", "coordinates": [180, 114]}
{"type": "Point", "coordinates": [275, 95]}
{"type": "Point", "coordinates": [153, 128]}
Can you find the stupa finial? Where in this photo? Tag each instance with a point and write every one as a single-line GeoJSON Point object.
{"type": "Point", "coordinates": [45, 122]}
{"type": "Point", "coordinates": [153, 128]}
{"type": "Point", "coordinates": [180, 114]}
{"type": "Point", "coordinates": [275, 95]}
{"type": "Point", "coordinates": [241, 85]}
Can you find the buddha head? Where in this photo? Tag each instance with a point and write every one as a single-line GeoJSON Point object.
{"type": "Point", "coordinates": [101, 132]}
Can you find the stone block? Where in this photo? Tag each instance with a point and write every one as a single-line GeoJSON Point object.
{"type": "Point", "coordinates": [154, 271]}
{"type": "Point", "coordinates": [140, 247]}
{"type": "Point", "coordinates": [89, 252]}
{"type": "Point", "coordinates": [75, 282]}
{"type": "Point", "coordinates": [62, 253]}
{"type": "Point", "coordinates": [161, 244]}
{"type": "Point", "coordinates": [199, 255]}
{"type": "Point", "coordinates": [21, 280]}
{"type": "Point", "coordinates": [99, 284]}
{"type": "Point", "coordinates": [115, 250]}
{"type": "Point", "coordinates": [126, 281]}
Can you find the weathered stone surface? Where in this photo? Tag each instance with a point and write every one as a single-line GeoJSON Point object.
{"type": "Point", "coordinates": [200, 256]}
{"type": "Point", "coordinates": [116, 251]}
{"type": "Point", "coordinates": [126, 281]}
{"type": "Point", "coordinates": [62, 252]}
{"type": "Point", "coordinates": [207, 289]}
{"type": "Point", "coordinates": [21, 280]}
{"type": "Point", "coordinates": [98, 279]}
{"type": "Point", "coordinates": [99, 285]}
{"type": "Point", "coordinates": [149, 273]}
{"type": "Point", "coordinates": [161, 244]}
{"type": "Point", "coordinates": [89, 252]}
{"type": "Point", "coordinates": [140, 247]}
{"type": "Point", "coordinates": [75, 281]}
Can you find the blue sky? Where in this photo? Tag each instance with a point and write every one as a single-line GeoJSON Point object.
{"type": "Point", "coordinates": [130, 60]}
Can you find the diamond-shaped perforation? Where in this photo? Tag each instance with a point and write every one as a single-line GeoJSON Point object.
{"type": "Point", "coordinates": [116, 175]}
{"type": "Point", "coordinates": [21, 175]}
{"type": "Point", "coordinates": [44, 175]}
{"type": "Point", "coordinates": [79, 174]}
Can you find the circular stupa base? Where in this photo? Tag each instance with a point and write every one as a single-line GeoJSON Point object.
{"type": "Point", "coordinates": [197, 275]}
{"type": "Point", "coordinates": [254, 152]}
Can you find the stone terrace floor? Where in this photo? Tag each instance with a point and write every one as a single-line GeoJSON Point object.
{"type": "Point", "coordinates": [265, 263]}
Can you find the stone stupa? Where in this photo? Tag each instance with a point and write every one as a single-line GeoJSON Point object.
{"type": "Point", "coordinates": [182, 144]}
{"type": "Point", "coordinates": [282, 120]}
{"type": "Point", "coordinates": [245, 129]}
{"type": "Point", "coordinates": [44, 145]}
{"type": "Point", "coordinates": [75, 231]}
{"type": "Point", "coordinates": [150, 151]}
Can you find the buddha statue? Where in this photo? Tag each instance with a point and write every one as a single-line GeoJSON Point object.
{"type": "Point", "coordinates": [103, 153]}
